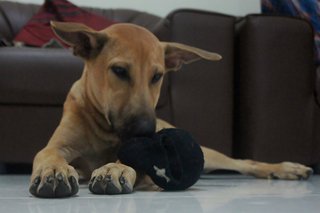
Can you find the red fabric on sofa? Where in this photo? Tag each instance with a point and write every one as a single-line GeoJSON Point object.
{"type": "Point", "coordinates": [37, 31]}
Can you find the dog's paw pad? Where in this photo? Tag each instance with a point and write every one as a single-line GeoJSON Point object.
{"type": "Point", "coordinates": [96, 185]}
{"type": "Point", "coordinates": [126, 186]}
{"type": "Point", "coordinates": [112, 179]}
{"type": "Point", "coordinates": [74, 185]}
{"type": "Point", "coordinates": [54, 186]}
{"type": "Point", "coordinates": [34, 185]}
{"type": "Point", "coordinates": [63, 188]}
{"type": "Point", "coordinates": [112, 189]}
{"type": "Point", "coordinates": [292, 171]}
{"type": "Point", "coordinates": [46, 189]}
{"type": "Point", "coordinates": [103, 185]}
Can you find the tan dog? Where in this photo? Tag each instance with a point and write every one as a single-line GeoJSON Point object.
{"type": "Point", "coordinates": [116, 95]}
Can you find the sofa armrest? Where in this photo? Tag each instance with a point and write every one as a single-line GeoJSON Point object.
{"type": "Point", "coordinates": [37, 75]}
{"type": "Point", "coordinates": [317, 86]}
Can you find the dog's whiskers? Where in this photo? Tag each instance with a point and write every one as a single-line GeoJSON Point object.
{"type": "Point", "coordinates": [107, 116]}
{"type": "Point", "coordinates": [108, 120]}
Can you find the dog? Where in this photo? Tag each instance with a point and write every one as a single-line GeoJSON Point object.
{"type": "Point", "coordinates": [116, 97]}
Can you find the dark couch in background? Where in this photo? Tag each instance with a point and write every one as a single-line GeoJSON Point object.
{"type": "Point", "coordinates": [258, 102]}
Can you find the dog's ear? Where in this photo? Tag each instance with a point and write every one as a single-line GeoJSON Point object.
{"type": "Point", "coordinates": [86, 42]}
{"type": "Point", "coordinates": [178, 54]}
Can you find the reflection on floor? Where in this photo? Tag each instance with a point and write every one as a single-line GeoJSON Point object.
{"type": "Point", "coordinates": [214, 193]}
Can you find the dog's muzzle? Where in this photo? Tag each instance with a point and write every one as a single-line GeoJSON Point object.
{"type": "Point", "coordinates": [137, 127]}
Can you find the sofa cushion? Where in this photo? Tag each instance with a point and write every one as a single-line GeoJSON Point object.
{"type": "Point", "coordinates": [37, 75]}
{"type": "Point", "coordinates": [202, 92]}
{"type": "Point", "coordinates": [39, 80]}
{"type": "Point", "coordinates": [274, 101]}
{"type": "Point", "coordinates": [37, 31]}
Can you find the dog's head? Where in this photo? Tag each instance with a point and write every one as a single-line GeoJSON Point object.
{"type": "Point", "coordinates": [124, 68]}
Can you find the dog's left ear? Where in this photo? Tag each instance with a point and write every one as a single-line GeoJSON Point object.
{"type": "Point", "coordinates": [178, 54]}
{"type": "Point", "coordinates": [86, 42]}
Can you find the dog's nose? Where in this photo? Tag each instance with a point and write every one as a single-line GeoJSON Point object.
{"type": "Point", "coordinates": [142, 126]}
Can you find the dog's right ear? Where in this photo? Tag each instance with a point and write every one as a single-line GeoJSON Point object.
{"type": "Point", "coordinates": [86, 42]}
{"type": "Point", "coordinates": [177, 54]}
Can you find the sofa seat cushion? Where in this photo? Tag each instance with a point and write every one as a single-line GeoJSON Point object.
{"type": "Point", "coordinates": [37, 76]}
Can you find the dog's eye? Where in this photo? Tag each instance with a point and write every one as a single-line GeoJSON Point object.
{"type": "Point", "coordinates": [121, 72]}
{"type": "Point", "coordinates": [156, 78]}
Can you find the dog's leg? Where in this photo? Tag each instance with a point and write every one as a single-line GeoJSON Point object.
{"type": "Point", "coordinates": [52, 176]}
{"type": "Point", "coordinates": [285, 170]}
{"type": "Point", "coordinates": [113, 178]}
{"type": "Point", "coordinates": [117, 178]}
{"type": "Point", "coordinates": [215, 160]}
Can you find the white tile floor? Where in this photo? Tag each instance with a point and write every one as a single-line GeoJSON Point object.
{"type": "Point", "coordinates": [217, 193]}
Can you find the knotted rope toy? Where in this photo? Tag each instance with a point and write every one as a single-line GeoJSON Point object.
{"type": "Point", "coordinates": [171, 157]}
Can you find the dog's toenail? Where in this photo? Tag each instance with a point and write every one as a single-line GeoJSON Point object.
{"type": "Point", "coordinates": [60, 177]}
{"type": "Point", "coordinates": [99, 178]}
{"type": "Point", "coordinates": [122, 180]}
{"type": "Point", "coordinates": [108, 178]}
{"type": "Point", "coordinates": [73, 180]}
{"type": "Point", "coordinates": [309, 172]}
{"type": "Point", "coordinates": [273, 176]}
{"type": "Point", "coordinates": [91, 180]}
{"type": "Point", "coordinates": [300, 177]}
{"type": "Point", "coordinates": [36, 180]}
{"type": "Point", "coordinates": [50, 179]}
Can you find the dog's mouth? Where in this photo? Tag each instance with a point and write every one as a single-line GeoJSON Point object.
{"type": "Point", "coordinates": [134, 126]}
{"type": "Point", "coordinates": [127, 133]}
{"type": "Point", "coordinates": [141, 125]}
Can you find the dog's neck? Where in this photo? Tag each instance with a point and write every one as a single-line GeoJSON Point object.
{"type": "Point", "coordinates": [93, 109]}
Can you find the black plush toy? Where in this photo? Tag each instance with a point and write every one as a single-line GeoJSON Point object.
{"type": "Point", "coordinates": [171, 157]}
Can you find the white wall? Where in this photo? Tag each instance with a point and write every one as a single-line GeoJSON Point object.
{"type": "Point", "coordinates": [163, 7]}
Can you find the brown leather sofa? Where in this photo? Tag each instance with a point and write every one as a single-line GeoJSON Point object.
{"type": "Point", "coordinates": [258, 102]}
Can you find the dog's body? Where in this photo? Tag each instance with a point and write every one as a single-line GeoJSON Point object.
{"type": "Point", "coordinates": [114, 98]}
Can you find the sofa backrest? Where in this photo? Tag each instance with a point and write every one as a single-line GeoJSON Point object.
{"type": "Point", "coordinates": [13, 16]}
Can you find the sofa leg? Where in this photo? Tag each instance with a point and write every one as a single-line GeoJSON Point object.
{"type": "Point", "coordinates": [316, 168]}
{"type": "Point", "coordinates": [3, 169]}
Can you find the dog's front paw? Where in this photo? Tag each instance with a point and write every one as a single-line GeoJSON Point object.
{"type": "Point", "coordinates": [291, 171]}
{"type": "Point", "coordinates": [54, 182]}
{"type": "Point", "coordinates": [113, 178]}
